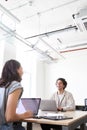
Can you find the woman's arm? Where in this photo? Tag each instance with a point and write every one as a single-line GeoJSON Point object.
{"type": "Point", "coordinates": [11, 106]}
{"type": "Point", "coordinates": [70, 103]}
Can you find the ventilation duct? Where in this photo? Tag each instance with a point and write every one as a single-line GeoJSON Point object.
{"type": "Point", "coordinates": [81, 19]}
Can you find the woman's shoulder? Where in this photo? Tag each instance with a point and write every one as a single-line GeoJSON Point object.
{"type": "Point", "coordinates": [68, 93]}
{"type": "Point", "coordinates": [14, 85]}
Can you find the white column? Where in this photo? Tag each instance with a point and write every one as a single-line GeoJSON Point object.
{"type": "Point", "coordinates": [9, 49]}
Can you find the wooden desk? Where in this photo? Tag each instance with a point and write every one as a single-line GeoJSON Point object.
{"type": "Point", "coordinates": [79, 119]}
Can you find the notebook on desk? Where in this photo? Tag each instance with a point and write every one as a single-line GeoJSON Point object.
{"type": "Point", "coordinates": [57, 117]}
{"type": "Point", "coordinates": [31, 104]}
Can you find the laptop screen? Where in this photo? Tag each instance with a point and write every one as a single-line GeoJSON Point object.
{"type": "Point", "coordinates": [31, 104]}
{"type": "Point", "coordinates": [48, 105]}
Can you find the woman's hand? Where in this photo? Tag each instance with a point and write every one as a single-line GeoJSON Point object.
{"type": "Point", "coordinates": [60, 109]}
{"type": "Point", "coordinates": [28, 114]}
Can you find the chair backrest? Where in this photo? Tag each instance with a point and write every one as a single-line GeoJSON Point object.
{"type": "Point", "coordinates": [2, 105]}
{"type": "Point", "coordinates": [85, 102]}
{"type": "Point", "coordinates": [78, 107]}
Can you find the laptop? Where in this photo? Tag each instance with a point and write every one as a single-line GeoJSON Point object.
{"type": "Point", "coordinates": [48, 105]}
{"type": "Point", "coordinates": [31, 104]}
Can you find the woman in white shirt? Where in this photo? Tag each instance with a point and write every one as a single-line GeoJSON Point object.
{"type": "Point", "coordinates": [64, 101]}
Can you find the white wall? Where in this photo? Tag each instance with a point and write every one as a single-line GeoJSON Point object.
{"type": "Point", "coordinates": [40, 79]}
{"type": "Point", "coordinates": [7, 51]}
{"type": "Point", "coordinates": [33, 77]}
{"type": "Point", "coordinates": [74, 69]}
{"type": "Point", "coordinates": [1, 55]}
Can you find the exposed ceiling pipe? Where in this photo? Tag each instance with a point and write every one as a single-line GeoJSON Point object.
{"type": "Point", "coordinates": [66, 49]}
{"type": "Point", "coordinates": [51, 47]}
{"type": "Point", "coordinates": [8, 13]}
{"type": "Point", "coordinates": [55, 31]}
{"type": "Point", "coordinates": [77, 49]}
{"type": "Point", "coordinates": [13, 33]}
{"type": "Point", "coordinates": [76, 45]}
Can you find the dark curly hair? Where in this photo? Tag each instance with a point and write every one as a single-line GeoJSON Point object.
{"type": "Point", "coordinates": [9, 73]}
{"type": "Point", "coordinates": [63, 81]}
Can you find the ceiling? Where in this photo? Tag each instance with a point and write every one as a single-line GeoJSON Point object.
{"type": "Point", "coordinates": [51, 27]}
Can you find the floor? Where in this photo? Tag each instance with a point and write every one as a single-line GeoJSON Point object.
{"type": "Point", "coordinates": [35, 126]}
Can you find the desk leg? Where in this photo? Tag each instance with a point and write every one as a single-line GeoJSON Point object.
{"type": "Point", "coordinates": [65, 128]}
{"type": "Point", "coordinates": [68, 128]}
{"type": "Point", "coordinates": [29, 126]}
{"type": "Point", "coordinates": [82, 127]}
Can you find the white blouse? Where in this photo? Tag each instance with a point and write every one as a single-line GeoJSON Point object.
{"type": "Point", "coordinates": [65, 100]}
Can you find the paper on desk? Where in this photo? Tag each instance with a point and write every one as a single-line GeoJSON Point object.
{"type": "Point", "coordinates": [20, 108]}
{"type": "Point", "coordinates": [53, 114]}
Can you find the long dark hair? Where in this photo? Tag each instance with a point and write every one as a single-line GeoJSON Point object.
{"type": "Point", "coordinates": [9, 73]}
